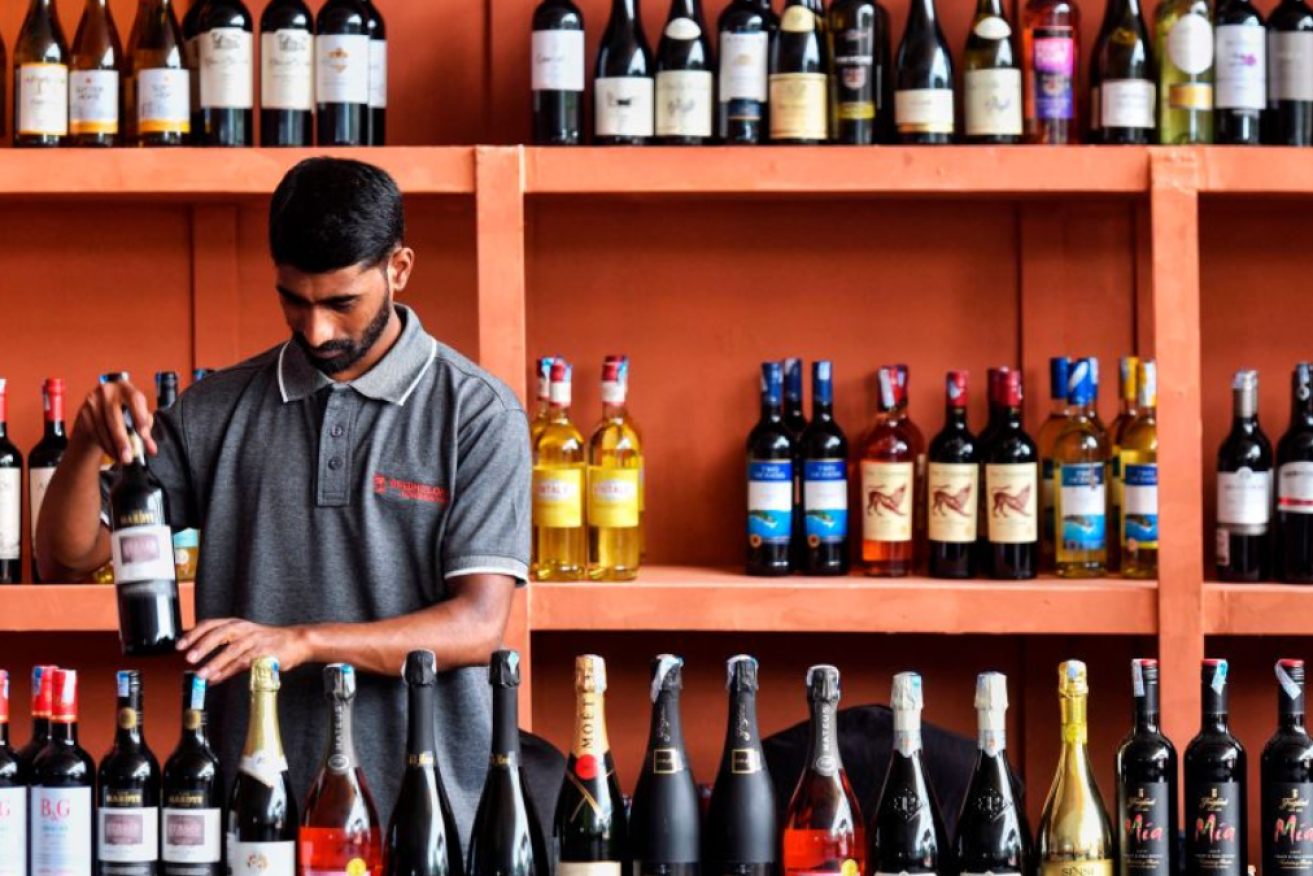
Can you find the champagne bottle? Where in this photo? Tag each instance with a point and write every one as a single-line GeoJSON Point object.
{"type": "Point", "coordinates": [226, 54]}
{"type": "Point", "coordinates": [1124, 82]}
{"type": "Point", "coordinates": [376, 120]}
{"type": "Point", "coordinates": [421, 838]}
{"type": "Point", "coordinates": [261, 810]}
{"type": "Point", "coordinates": [1287, 780]}
{"type": "Point", "coordinates": [342, 73]}
{"type": "Point", "coordinates": [615, 478]}
{"type": "Point", "coordinates": [741, 830]}
{"type": "Point", "coordinates": [1241, 74]}
{"type": "Point", "coordinates": [560, 539]}
{"type": "Point", "coordinates": [907, 832]}
{"type": "Point", "coordinates": [624, 92]}
{"type": "Point", "coordinates": [589, 825]}
{"type": "Point", "coordinates": [339, 830]}
{"type": "Point", "coordinates": [824, 451]}
{"type": "Point", "coordinates": [954, 480]}
{"type": "Point", "coordinates": [158, 89]}
{"type": "Point", "coordinates": [1216, 808]}
{"type": "Point", "coordinates": [1147, 825]}
{"type": "Point", "coordinates": [923, 99]}
{"type": "Point", "coordinates": [95, 105]}
{"type": "Point", "coordinates": [557, 73]}
{"type": "Point", "coordinates": [1050, 59]}
{"type": "Point", "coordinates": [45, 457]}
{"type": "Point", "coordinates": [992, 80]}
{"type": "Point", "coordinates": [1294, 519]}
{"type": "Point", "coordinates": [60, 805]}
{"type": "Point", "coordinates": [1290, 80]}
{"type": "Point", "coordinates": [11, 502]}
{"type": "Point", "coordinates": [1244, 489]}
{"type": "Point", "coordinates": [664, 816]}
{"type": "Point", "coordinates": [1080, 474]}
{"type": "Point", "coordinates": [823, 828]}
{"type": "Point", "coordinates": [742, 109]}
{"type": "Point", "coordinates": [13, 795]}
{"type": "Point", "coordinates": [287, 74]}
{"type": "Point", "coordinates": [41, 78]}
{"type": "Point", "coordinates": [799, 63]}
{"type": "Point", "coordinates": [43, 680]}
{"type": "Point", "coordinates": [771, 454]}
{"type": "Point", "coordinates": [1010, 500]}
{"type": "Point", "coordinates": [192, 813]}
{"type": "Point", "coordinates": [684, 78]}
{"type": "Point", "coordinates": [1183, 53]}
{"type": "Point", "coordinates": [506, 839]}
{"type": "Point", "coordinates": [1074, 836]}
{"type": "Point", "coordinates": [1139, 480]}
{"type": "Point", "coordinates": [992, 833]}
{"type": "Point", "coordinates": [128, 810]}
{"type": "Point", "coordinates": [856, 78]}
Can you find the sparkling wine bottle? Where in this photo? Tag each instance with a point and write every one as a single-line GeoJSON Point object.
{"type": "Point", "coordinates": [262, 811]}
{"type": "Point", "coordinates": [992, 833]}
{"type": "Point", "coordinates": [741, 831]}
{"type": "Point", "coordinates": [664, 817]}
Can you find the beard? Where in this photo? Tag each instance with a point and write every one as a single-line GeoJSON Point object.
{"type": "Point", "coordinates": [347, 352]}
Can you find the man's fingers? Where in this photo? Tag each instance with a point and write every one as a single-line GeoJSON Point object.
{"type": "Point", "coordinates": [234, 659]}
{"type": "Point", "coordinates": [112, 417]}
{"type": "Point", "coordinates": [145, 420]}
{"type": "Point", "coordinates": [212, 640]}
{"type": "Point", "coordinates": [201, 629]}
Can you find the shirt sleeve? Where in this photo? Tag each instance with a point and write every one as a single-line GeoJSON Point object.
{"type": "Point", "coordinates": [169, 467]}
{"type": "Point", "coordinates": [489, 517]}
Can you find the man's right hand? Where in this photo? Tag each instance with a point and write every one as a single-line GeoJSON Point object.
{"type": "Point", "coordinates": [100, 420]}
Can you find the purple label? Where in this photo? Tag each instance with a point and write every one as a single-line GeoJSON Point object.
{"type": "Point", "coordinates": [1055, 65]}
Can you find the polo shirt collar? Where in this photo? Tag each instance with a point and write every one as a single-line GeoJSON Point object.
{"type": "Point", "coordinates": [392, 379]}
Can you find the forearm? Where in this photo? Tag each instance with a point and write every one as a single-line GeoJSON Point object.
{"type": "Point", "coordinates": [70, 540]}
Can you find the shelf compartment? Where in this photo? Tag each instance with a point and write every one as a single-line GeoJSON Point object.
{"type": "Point", "coordinates": [71, 608]}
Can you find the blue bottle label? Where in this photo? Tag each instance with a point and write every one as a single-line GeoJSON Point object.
{"type": "Point", "coordinates": [825, 500]}
{"type": "Point", "coordinates": [1084, 503]}
{"type": "Point", "coordinates": [1140, 506]}
{"type": "Point", "coordinates": [770, 501]}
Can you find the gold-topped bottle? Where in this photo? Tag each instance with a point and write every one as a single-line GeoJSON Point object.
{"type": "Point", "coordinates": [1075, 836]}
{"type": "Point", "coordinates": [615, 478]}
{"type": "Point", "coordinates": [262, 813]}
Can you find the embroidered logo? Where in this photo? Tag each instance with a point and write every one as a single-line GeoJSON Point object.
{"type": "Point", "coordinates": [385, 485]}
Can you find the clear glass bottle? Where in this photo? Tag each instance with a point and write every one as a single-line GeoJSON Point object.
{"type": "Point", "coordinates": [560, 540]}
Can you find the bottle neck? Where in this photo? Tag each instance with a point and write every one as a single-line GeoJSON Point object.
{"type": "Point", "coordinates": [341, 736]}
{"type": "Point", "coordinates": [989, 8]}
{"type": "Point", "coordinates": [128, 733]}
{"type": "Point", "coordinates": [823, 751]}
{"type": "Point", "coordinates": [64, 732]}
{"type": "Point", "coordinates": [625, 9]}
{"type": "Point", "coordinates": [1301, 410]}
{"type": "Point", "coordinates": [771, 409]}
{"type": "Point", "coordinates": [505, 726]}
{"type": "Point", "coordinates": [1244, 407]}
{"type": "Point", "coordinates": [667, 728]}
{"type": "Point", "coordinates": [4, 733]}
{"type": "Point", "coordinates": [262, 734]}
{"type": "Point", "coordinates": [1075, 722]}
{"type": "Point", "coordinates": [683, 9]}
{"type": "Point", "coordinates": [742, 731]}
{"type": "Point", "coordinates": [907, 731]}
{"type": "Point", "coordinates": [822, 410]}
{"type": "Point", "coordinates": [613, 410]}
{"type": "Point", "coordinates": [923, 10]}
{"type": "Point", "coordinates": [590, 725]}
{"type": "Point", "coordinates": [955, 418]}
{"type": "Point", "coordinates": [195, 724]}
{"type": "Point", "coordinates": [419, 736]}
{"type": "Point", "coordinates": [1291, 720]}
{"type": "Point", "coordinates": [1011, 417]}
{"type": "Point", "coordinates": [55, 428]}
{"type": "Point", "coordinates": [992, 736]}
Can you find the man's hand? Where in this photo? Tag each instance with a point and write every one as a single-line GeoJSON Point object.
{"type": "Point", "coordinates": [231, 645]}
{"type": "Point", "coordinates": [100, 420]}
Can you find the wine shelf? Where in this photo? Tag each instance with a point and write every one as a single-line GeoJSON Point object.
{"type": "Point", "coordinates": [1258, 609]}
{"type": "Point", "coordinates": [69, 608]}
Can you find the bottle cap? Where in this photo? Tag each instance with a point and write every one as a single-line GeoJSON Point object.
{"type": "Point", "coordinates": [1059, 366]}
{"type": "Point", "coordinates": [128, 682]}
{"type": "Point", "coordinates": [53, 386]}
{"type": "Point", "coordinates": [43, 690]}
{"type": "Point", "coordinates": [264, 674]}
{"type": "Point", "coordinates": [991, 692]}
{"type": "Point", "coordinates": [504, 669]}
{"type": "Point", "coordinates": [194, 689]}
{"type": "Point", "coordinates": [420, 669]}
{"type": "Point", "coordinates": [1246, 380]}
{"type": "Point", "coordinates": [1290, 675]}
{"type": "Point", "coordinates": [823, 381]}
{"type": "Point", "coordinates": [166, 380]}
{"type": "Point", "coordinates": [772, 383]}
{"type": "Point", "coordinates": [1147, 383]}
{"type": "Point", "coordinates": [1144, 672]}
{"type": "Point", "coordinates": [741, 673]}
{"type": "Point", "coordinates": [957, 389]}
{"type": "Point", "coordinates": [823, 684]}
{"type": "Point", "coordinates": [892, 392]}
{"type": "Point", "coordinates": [1011, 393]}
{"type": "Point", "coordinates": [906, 695]}
{"type": "Point", "coordinates": [666, 674]}
{"type": "Point", "coordinates": [793, 379]}
{"type": "Point", "coordinates": [544, 372]}
{"type": "Point", "coordinates": [1080, 383]}
{"type": "Point", "coordinates": [589, 674]}
{"type": "Point", "coordinates": [1073, 679]}
{"type": "Point", "coordinates": [339, 681]}
{"type": "Point", "coordinates": [64, 696]}
{"type": "Point", "coordinates": [1302, 381]}
{"type": "Point", "coordinates": [1129, 373]}
{"type": "Point", "coordinates": [1214, 673]}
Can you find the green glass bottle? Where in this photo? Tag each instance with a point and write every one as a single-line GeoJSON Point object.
{"type": "Point", "coordinates": [1080, 471]}
{"type": "Point", "coordinates": [1183, 48]}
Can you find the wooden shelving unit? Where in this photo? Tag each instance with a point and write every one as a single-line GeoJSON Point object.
{"type": "Point", "coordinates": [70, 608]}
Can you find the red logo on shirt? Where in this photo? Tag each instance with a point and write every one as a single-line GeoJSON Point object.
{"type": "Point", "coordinates": [385, 485]}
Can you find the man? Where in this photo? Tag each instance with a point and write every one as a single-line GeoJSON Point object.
{"type": "Point", "coordinates": [363, 491]}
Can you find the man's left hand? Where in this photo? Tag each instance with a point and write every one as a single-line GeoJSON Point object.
{"type": "Point", "coordinates": [231, 645]}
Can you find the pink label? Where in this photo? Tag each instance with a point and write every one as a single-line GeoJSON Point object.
{"type": "Point", "coordinates": [1055, 55]}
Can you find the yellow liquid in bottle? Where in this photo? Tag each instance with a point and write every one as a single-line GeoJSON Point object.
{"type": "Point", "coordinates": [560, 543]}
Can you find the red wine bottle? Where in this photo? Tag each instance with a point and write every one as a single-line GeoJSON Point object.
{"type": "Point", "coordinates": [45, 456]}
{"type": "Point", "coordinates": [376, 119]}
{"type": "Point", "coordinates": [43, 681]}
{"type": "Point", "coordinates": [192, 815]}
{"type": "Point", "coordinates": [11, 502]}
{"type": "Point", "coordinates": [1146, 786]}
{"type": "Point", "coordinates": [13, 792]}
{"type": "Point", "coordinates": [226, 55]}
{"type": "Point", "coordinates": [128, 783]}
{"type": "Point", "coordinates": [557, 78]}
{"type": "Point", "coordinates": [287, 74]}
{"type": "Point", "coordinates": [342, 73]}
{"type": "Point", "coordinates": [624, 92]}
{"type": "Point", "coordinates": [1244, 489]}
{"type": "Point", "coordinates": [742, 108]}
{"type": "Point", "coordinates": [1287, 780]}
{"type": "Point", "coordinates": [664, 817]}
{"type": "Point", "coordinates": [1216, 809]}
{"type": "Point", "coordinates": [1294, 520]}
{"type": "Point", "coordinates": [771, 453]}
{"type": "Point", "coordinates": [992, 833]}
{"type": "Point", "coordinates": [1011, 494]}
{"type": "Point", "coordinates": [261, 828]}
{"type": "Point", "coordinates": [60, 806]}
{"type": "Point", "coordinates": [954, 480]}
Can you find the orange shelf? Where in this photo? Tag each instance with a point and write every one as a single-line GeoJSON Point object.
{"type": "Point", "coordinates": [72, 608]}
{"type": "Point", "coordinates": [1239, 170]}
{"type": "Point", "coordinates": [681, 598]}
{"type": "Point", "coordinates": [1258, 609]}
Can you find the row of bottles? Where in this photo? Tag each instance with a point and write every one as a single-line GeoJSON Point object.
{"type": "Point", "coordinates": [323, 78]}
{"type": "Point", "coordinates": [588, 498]}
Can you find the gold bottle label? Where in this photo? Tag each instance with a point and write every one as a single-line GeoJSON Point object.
{"type": "Point", "coordinates": [558, 499]}
{"type": "Point", "coordinates": [1101, 867]}
{"type": "Point", "coordinates": [613, 497]}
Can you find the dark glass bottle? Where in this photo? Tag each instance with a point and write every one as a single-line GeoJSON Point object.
{"type": "Point", "coordinates": [287, 74]}
{"type": "Point", "coordinates": [557, 73]}
{"type": "Point", "coordinates": [1294, 534]}
{"type": "Point", "coordinates": [262, 810]}
{"type": "Point", "coordinates": [992, 833]}
{"type": "Point", "coordinates": [1290, 80]}
{"type": "Point", "coordinates": [953, 481]}
{"type": "Point", "coordinates": [994, 382]}
{"type": "Point", "coordinates": [685, 78]}
{"type": "Point", "coordinates": [799, 64]}
{"type": "Point", "coordinates": [376, 121]}
{"type": "Point", "coordinates": [192, 798]}
{"type": "Point", "coordinates": [41, 78]}
{"type": "Point", "coordinates": [742, 834]}
{"type": "Point", "coordinates": [1123, 79]}
{"type": "Point", "coordinates": [856, 76]}
{"type": "Point", "coordinates": [1286, 781]}
{"type": "Point", "coordinates": [824, 451]}
{"type": "Point", "coordinates": [1240, 92]}
{"type": "Point", "coordinates": [992, 79]}
{"type": "Point", "coordinates": [794, 419]}
{"type": "Point", "coordinates": [1011, 494]}
{"type": "Point", "coordinates": [1216, 810]}
{"type": "Point", "coordinates": [13, 788]}
{"type": "Point", "coordinates": [45, 456]}
{"type": "Point", "coordinates": [1146, 786]}
{"type": "Point", "coordinates": [43, 680]}
{"type": "Point", "coordinates": [226, 55]}
{"type": "Point", "coordinates": [1244, 489]}
{"type": "Point", "coordinates": [742, 109]}
{"type": "Point", "coordinates": [60, 803]}
{"type": "Point", "coordinates": [342, 73]}
{"type": "Point", "coordinates": [128, 785]}
{"type": "Point", "coordinates": [771, 454]}
{"type": "Point", "coordinates": [923, 96]}
{"type": "Point", "coordinates": [11, 502]}
{"type": "Point", "coordinates": [624, 92]}
{"type": "Point", "coordinates": [664, 816]}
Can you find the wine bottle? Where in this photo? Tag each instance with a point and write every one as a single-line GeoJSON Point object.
{"type": "Point", "coordinates": [954, 479]}
{"type": "Point", "coordinates": [623, 89]}
{"type": "Point", "coordinates": [992, 80]}
{"type": "Point", "coordinates": [684, 78]}
{"type": "Point", "coordinates": [1059, 369]}
{"type": "Point", "coordinates": [923, 96]}
{"type": "Point", "coordinates": [1138, 529]}
{"type": "Point", "coordinates": [1294, 525]}
{"type": "Point", "coordinates": [128, 785]}
{"type": "Point", "coordinates": [1287, 780]}
{"type": "Point", "coordinates": [192, 802]}
{"type": "Point", "coordinates": [1128, 396]}
{"type": "Point", "coordinates": [1183, 51]}
{"type": "Point", "coordinates": [1290, 85]}
{"type": "Point", "coordinates": [742, 107]}
{"type": "Point", "coordinates": [186, 542]}
{"type": "Point", "coordinates": [799, 64]}
{"type": "Point", "coordinates": [339, 828]}
{"type": "Point", "coordinates": [560, 539]}
{"type": "Point", "coordinates": [615, 474]}
{"type": "Point", "coordinates": [158, 85]}
{"type": "Point", "coordinates": [190, 26]}
{"type": "Point", "coordinates": [794, 418]}
{"type": "Point", "coordinates": [856, 77]}
{"type": "Point", "coordinates": [150, 620]}
{"type": "Point", "coordinates": [823, 828]}
{"type": "Point", "coordinates": [41, 78]}
{"type": "Point", "coordinates": [43, 681]}
{"type": "Point", "coordinates": [557, 73]}
{"type": "Point", "coordinates": [45, 457]}
{"type": "Point", "coordinates": [11, 501]}
{"type": "Point", "coordinates": [506, 839]}
{"type": "Point", "coordinates": [1123, 108]}
{"type": "Point", "coordinates": [95, 102]}
{"type": "Point", "coordinates": [342, 73]}
{"type": "Point", "coordinates": [287, 74]}
{"type": "Point", "coordinates": [378, 74]}
{"type": "Point", "coordinates": [1074, 835]}
{"type": "Point", "coordinates": [796, 422]}
{"type": "Point", "coordinates": [1216, 810]}
{"type": "Point", "coordinates": [60, 803]}
{"type": "Point", "coordinates": [1080, 470]}
{"type": "Point", "coordinates": [992, 833]}
{"type": "Point", "coordinates": [824, 451]}
{"type": "Point", "coordinates": [907, 832]}
{"type": "Point", "coordinates": [664, 816]}
{"type": "Point", "coordinates": [542, 409]}
{"type": "Point", "coordinates": [1241, 90]}
{"type": "Point", "coordinates": [421, 838]}
{"type": "Point", "coordinates": [1050, 60]}
{"type": "Point", "coordinates": [13, 795]}
{"type": "Point", "coordinates": [1244, 489]}
{"type": "Point", "coordinates": [771, 452]}
{"type": "Point", "coordinates": [1011, 494]}
{"type": "Point", "coordinates": [889, 485]}
{"type": "Point", "coordinates": [741, 832]}
{"type": "Point", "coordinates": [261, 820]}
{"type": "Point", "coordinates": [226, 55]}
{"type": "Point", "coordinates": [1146, 786]}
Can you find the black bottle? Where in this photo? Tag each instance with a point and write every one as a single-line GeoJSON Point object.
{"type": "Point", "coordinates": [129, 792]}
{"type": "Point", "coordinates": [1286, 782]}
{"type": "Point", "coordinates": [954, 476]}
{"type": "Point", "coordinates": [1146, 786]}
{"type": "Point", "coordinates": [664, 816]}
{"type": "Point", "coordinates": [1216, 808]}
{"type": "Point", "coordinates": [1244, 489]}
{"type": "Point", "coordinates": [824, 450]}
{"type": "Point", "coordinates": [1294, 523]}
{"type": "Point", "coordinates": [1010, 498]}
{"type": "Point", "coordinates": [993, 835]}
{"type": "Point", "coordinates": [192, 799]}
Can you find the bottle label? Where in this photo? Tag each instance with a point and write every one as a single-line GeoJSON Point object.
{"type": "Point", "coordinates": [163, 101]}
{"type": "Point", "coordinates": [1290, 65]}
{"type": "Point", "coordinates": [613, 497]}
{"type": "Point", "coordinates": [683, 102]}
{"type": "Point", "coordinates": [1055, 69]}
{"type": "Point", "coordinates": [623, 106]}
{"type": "Point", "coordinates": [558, 497]}
{"type": "Point", "coordinates": [43, 99]}
{"type": "Point", "coordinates": [1295, 488]}
{"type": "Point", "coordinates": [1190, 44]}
{"type": "Point", "coordinates": [378, 74]}
{"type": "Point", "coordinates": [797, 104]}
{"type": "Point", "coordinates": [61, 831]}
{"type": "Point", "coordinates": [1076, 868]}
{"type": "Point", "coordinates": [13, 831]}
{"type": "Point", "coordinates": [856, 84]}
{"type": "Point", "coordinates": [11, 501]}
{"type": "Point", "coordinates": [1140, 506]}
{"type": "Point", "coordinates": [1127, 103]}
{"type": "Point", "coordinates": [142, 553]}
{"type": "Point", "coordinates": [992, 27]}
{"type": "Point", "coordinates": [261, 859]}
{"type": "Point", "coordinates": [264, 767]}
{"type": "Point", "coordinates": [770, 502]}
{"type": "Point", "coordinates": [1212, 838]}
{"type": "Point", "coordinates": [1145, 838]}
{"type": "Point", "coordinates": [227, 62]}
{"type": "Point", "coordinates": [1291, 832]}
{"type": "Point", "coordinates": [1241, 67]}
{"type": "Point", "coordinates": [924, 111]}
{"type": "Point", "coordinates": [93, 102]}
{"type": "Point", "coordinates": [1012, 502]}
{"type": "Point", "coordinates": [128, 836]}
{"type": "Point", "coordinates": [953, 502]}
{"type": "Point", "coordinates": [825, 500]}
{"type": "Point", "coordinates": [667, 761]}
{"type": "Point", "coordinates": [342, 68]}
{"type": "Point", "coordinates": [887, 499]}
{"type": "Point", "coordinates": [743, 67]}
{"type": "Point", "coordinates": [1190, 96]}
{"type": "Point", "coordinates": [191, 836]}
{"type": "Point", "coordinates": [558, 60]}
{"type": "Point", "coordinates": [1244, 501]}
{"type": "Point", "coordinates": [993, 101]}
{"type": "Point", "coordinates": [745, 761]}
{"type": "Point", "coordinates": [287, 70]}
{"type": "Point", "coordinates": [588, 868]}
{"type": "Point", "coordinates": [38, 481]}
{"type": "Point", "coordinates": [1083, 500]}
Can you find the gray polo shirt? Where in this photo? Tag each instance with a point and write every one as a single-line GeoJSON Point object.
{"type": "Point", "coordinates": [321, 501]}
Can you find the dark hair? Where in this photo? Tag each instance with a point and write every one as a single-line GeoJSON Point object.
{"type": "Point", "coordinates": [333, 213]}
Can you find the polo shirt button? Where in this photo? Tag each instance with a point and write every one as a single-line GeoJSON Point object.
{"type": "Point", "coordinates": [335, 463]}
{"type": "Point", "coordinates": [338, 430]}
